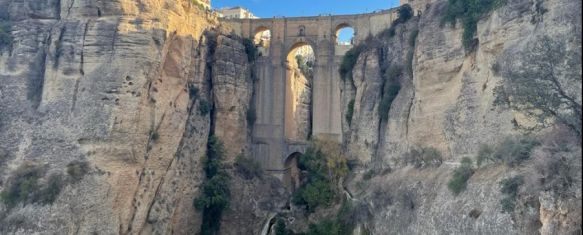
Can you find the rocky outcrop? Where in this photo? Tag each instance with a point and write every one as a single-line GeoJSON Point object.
{"type": "Point", "coordinates": [447, 103]}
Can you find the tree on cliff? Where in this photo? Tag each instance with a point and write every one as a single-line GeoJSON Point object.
{"type": "Point", "coordinates": [543, 82]}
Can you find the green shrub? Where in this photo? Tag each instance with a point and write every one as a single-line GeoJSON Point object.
{"type": "Point", "coordinates": [77, 170]}
{"type": "Point", "coordinates": [22, 186]}
{"type": "Point", "coordinates": [324, 166]}
{"type": "Point", "coordinates": [280, 228]}
{"type": "Point", "coordinates": [424, 157]}
{"type": "Point", "coordinates": [350, 112]}
{"type": "Point", "coordinates": [25, 186]}
{"type": "Point", "coordinates": [509, 187]}
{"type": "Point", "coordinates": [485, 154]}
{"type": "Point", "coordinates": [51, 190]}
{"type": "Point", "coordinates": [215, 193]}
{"type": "Point", "coordinates": [319, 192]}
{"type": "Point", "coordinates": [204, 107]}
{"type": "Point", "coordinates": [469, 12]}
{"type": "Point", "coordinates": [248, 168]}
{"type": "Point", "coordinates": [349, 61]}
{"type": "Point", "coordinates": [404, 13]}
{"type": "Point", "coordinates": [154, 135]}
{"type": "Point", "coordinates": [515, 150]}
{"type": "Point", "coordinates": [461, 175]}
{"type": "Point", "coordinates": [325, 227]}
{"type": "Point", "coordinates": [508, 204]}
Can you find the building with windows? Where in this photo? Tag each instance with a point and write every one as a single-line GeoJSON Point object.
{"type": "Point", "coordinates": [236, 13]}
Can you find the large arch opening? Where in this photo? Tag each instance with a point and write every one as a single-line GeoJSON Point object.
{"type": "Point", "coordinates": [291, 175]}
{"type": "Point", "coordinates": [300, 65]}
{"type": "Point", "coordinates": [345, 35]}
{"type": "Point", "coordinates": [262, 40]}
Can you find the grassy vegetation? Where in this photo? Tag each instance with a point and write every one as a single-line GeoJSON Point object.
{"type": "Point", "coordinates": [350, 112]}
{"type": "Point", "coordinates": [461, 175]}
{"type": "Point", "coordinates": [324, 165]}
{"type": "Point", "coordinates": [469, 13]}
{"type": "Point", "coordinates": [215, 193]}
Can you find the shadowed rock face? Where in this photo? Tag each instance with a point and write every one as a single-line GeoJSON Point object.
{"type": "Point", "coordinates": [111, 83]}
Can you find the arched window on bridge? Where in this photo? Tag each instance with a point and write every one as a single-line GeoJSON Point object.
{"type": "Point", "coordinates": [262, 39]}
{"type": "Point", "coordinates": [345, 35]}
{"type": "Point", "coordinates": [298, 109]}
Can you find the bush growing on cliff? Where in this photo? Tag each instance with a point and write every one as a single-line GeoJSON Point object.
{"type": "Point", "coordinates": [461, 175]}
{"type": "Point", "coordinates": [515, 150]}
{"type": "Point", "coordinates": [22, 185]}
{"type": "Point", "coordinates": [509, 187]}
{"type": "Point", "coordinates": [25, 186]}
{"type": "Point", "coordinates": [424, 157]}
{"type": "Point", "coordinates": [324, 166]}
{"type": "Point", "coordinates": [469, 13]}
{"type": "Point", "coordinates": [350, 112]}
{"type": "Point", "coordinates": [349, 61]}
{"type": "Point", "coordinates": [215, 193]}
{"type": "Point", "coordinates": [204, 107]}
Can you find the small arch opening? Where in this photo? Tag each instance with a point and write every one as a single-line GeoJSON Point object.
{"type": "Point", "coordinates": [345, 35]}
{"type": "Point", "coordinates": [262, 39]}
{"type": "Point", "coordinates": [291, 176]}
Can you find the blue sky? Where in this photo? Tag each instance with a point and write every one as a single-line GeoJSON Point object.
{"type": "Point", "coordinates": [290, 8]}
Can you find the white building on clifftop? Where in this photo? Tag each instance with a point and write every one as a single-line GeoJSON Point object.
{"type": "Point", "coordinates": [236, 13]}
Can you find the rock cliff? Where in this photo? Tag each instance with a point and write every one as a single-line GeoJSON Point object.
{"type": "Point", "coordinates": [117, 100]}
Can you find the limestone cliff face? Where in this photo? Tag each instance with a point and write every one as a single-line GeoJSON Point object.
{"type": "Point", "coordinates": [447, 103]}
{"type": "Point", "coordinates": [118, 84]}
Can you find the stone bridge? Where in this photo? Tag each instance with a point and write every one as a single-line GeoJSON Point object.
{"type": "Point", "coordinates": [286, 108]}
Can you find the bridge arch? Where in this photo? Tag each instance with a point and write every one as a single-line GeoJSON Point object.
{"type": "Point", "coordinates": [344, 29]}
{"type": "Point", "coordinates": [262, 39]}
{"type": "Point", "coordinates": [291, 175]}
{"type": "Point", "coordinates": [300, 62]}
